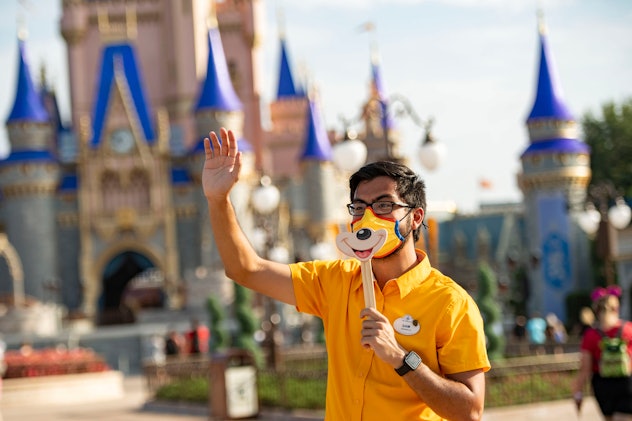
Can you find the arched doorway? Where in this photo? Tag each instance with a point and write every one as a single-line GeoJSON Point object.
{"type": "Point", "coordinates": [121, 278]}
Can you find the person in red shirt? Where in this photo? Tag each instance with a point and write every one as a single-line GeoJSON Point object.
{"type": "Point", "coordinates": [613, 394]}
{"type": "Point", "coordinates": [197, 338]}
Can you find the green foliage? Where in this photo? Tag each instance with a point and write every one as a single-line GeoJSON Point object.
{"type": "Point", "coordinates": [219, 337]}
{"type": "Point", "coordinates": [608, 136]}
{"type": "Point", "coordinates": [294, 389]}
{"type": "Point", "coordinates": [247, 323]}
{"type": "Point", "coordinates": [185, 390]}
{"type": "Point", "coordinates": [292, 393]}
{"type": "Point", "coordinates": [487, 301]}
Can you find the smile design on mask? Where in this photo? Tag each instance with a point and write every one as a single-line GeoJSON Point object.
{"type": "Point", "coordinates": [394, 237]}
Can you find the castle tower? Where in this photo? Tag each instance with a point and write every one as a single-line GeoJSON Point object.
{"type": "Point", "coordinates": [126, 218]}
{"type": "Point", "coordinates": [288, 113]}
{"type": "Point", "coordinates": [381, 136]}
{"type": "Point", "coordinates": [317, 207]}
{"type": "Point", "coordinates": [29, 178]}
{"type": "Point", "coordinates": [171, 40]}
{"type": "Point", "coordinates": [555, 174]}
{"type": "Point", "coordinates": [218, 106]}
{"type": "Point", "coordinates": [239, 24]}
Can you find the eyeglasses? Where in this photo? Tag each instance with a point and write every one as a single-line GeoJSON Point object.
{"type": "Point", "coordinates": [379, 207]}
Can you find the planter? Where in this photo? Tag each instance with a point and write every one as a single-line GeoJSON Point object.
{"type": "Point", "coordinates": [62, 390]}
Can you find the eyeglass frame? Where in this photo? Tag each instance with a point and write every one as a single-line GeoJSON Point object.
{"type": "Point", "coordinates": [350, 206]}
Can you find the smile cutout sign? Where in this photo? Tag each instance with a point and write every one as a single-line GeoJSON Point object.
{"type": "Point", "coordinates": [362, 245]}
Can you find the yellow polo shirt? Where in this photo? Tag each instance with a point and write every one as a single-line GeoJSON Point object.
{"type": "Point", "coordinates": [432, 316]}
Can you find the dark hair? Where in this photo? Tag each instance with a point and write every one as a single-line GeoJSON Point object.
{"type": "Point", "coordinates": [410, 187]}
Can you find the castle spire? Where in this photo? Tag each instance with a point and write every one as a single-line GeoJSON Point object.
{"type": "Point", "coordinates": [27, 105]}
{"type": "Point", "coordinates": [317, 145]}
{"type": "Point", "coordinates": [549, 102]}
{"type": "Point", "coordinates": [217, 92]}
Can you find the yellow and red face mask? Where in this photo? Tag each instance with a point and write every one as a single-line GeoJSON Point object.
{"type": "Point", "coordinates": [375, 222]}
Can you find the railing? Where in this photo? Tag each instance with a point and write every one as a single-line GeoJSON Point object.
{"type": "Point", "coordinates": [301, 381]}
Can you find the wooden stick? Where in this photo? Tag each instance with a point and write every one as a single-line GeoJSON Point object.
{"type": "Point", "coordinates": [367, 283]}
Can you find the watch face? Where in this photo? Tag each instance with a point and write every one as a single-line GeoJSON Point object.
{"type": "Point", "coordinates": [413, 360]}
{"type": "Point", "coordinates": [122, 140]}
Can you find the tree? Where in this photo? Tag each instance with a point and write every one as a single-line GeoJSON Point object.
{"type": "Point", "coordinates": [610, 139]}
{"type": "Point", "coordinates": [219, 337]}
{"type": "Point", "coordinates": [247, 323]}
{"type": "Point", "coordinates": [487, 301]}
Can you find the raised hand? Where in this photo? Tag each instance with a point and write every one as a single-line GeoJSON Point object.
{"type": "Point", "coordinates": [222, 164]}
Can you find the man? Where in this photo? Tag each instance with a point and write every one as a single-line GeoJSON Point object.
{"type": "Point", "coordinates": [420, 354]}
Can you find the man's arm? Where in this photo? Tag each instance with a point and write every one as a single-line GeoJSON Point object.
{"type": "Point", "coordinates": [241, 262]}
{"type": "Point", "coordinates": [461, 396]}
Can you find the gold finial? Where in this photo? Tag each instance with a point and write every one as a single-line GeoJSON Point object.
{"type": "Point", "coordinates": [371, 29]}
{"type": "Point", "coordinates": [281, 22]}
{"type": "Point", "coordinates": [541, 23]}
{"type": "Point", "coordinates": [211, 20]}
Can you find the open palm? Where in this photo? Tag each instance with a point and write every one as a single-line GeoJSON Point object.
{"type": "Point", "coordinates": [222, 164]}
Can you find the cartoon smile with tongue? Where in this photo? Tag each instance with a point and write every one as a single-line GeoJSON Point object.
{"type": "Point", "coordinates": [363, 244]}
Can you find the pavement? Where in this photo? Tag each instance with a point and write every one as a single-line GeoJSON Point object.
{"type": "Point", "coordinates": [134, 406]}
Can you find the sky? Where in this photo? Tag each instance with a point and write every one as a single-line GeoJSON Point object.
{"type": "Point", "coordinates": [470, 65]}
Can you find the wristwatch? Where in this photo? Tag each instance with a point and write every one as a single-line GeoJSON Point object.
{"type": "Point", "coordinates": [410, 363]}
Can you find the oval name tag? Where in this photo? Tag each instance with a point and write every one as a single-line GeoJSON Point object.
{"type": "Point", "coordinates": [406, 325]}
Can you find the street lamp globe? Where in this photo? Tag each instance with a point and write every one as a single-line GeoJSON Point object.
{"type": "Point", "coordinates": [350, 154]}
{"type": "Point", "coordinates": [620, 214]}
{"type": "Point", "coordinates": [265, 198]}
{"type": "Point", "coordinates": [431, 153]}
{"type": "Point", "coordinates": [589, 219]}
{"type": "Point", "coordinates": [279, 254]}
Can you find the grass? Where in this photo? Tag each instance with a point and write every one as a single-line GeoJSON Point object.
{"type": "Point", "coordinates": [306, 388]}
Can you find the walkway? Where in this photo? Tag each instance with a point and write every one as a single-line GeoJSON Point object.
{"type": "Point", "coordinates": [131, 408]}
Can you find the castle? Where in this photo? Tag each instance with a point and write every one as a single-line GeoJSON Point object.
{"type": "Point", "coordinates": [109, 211]}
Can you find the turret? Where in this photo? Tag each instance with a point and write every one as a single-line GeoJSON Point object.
{"type": "Point", "coordinates": [28, 181]}
{"type": "Point", "coordinates": [288, 114]}
{"type": "Point", "coordinates": [317, 176]}
{"type": "Point", "coordinates": [555, 174]}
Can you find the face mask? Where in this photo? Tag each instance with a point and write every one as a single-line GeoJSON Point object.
{"type": "Point", "coordinates": [376, 222]}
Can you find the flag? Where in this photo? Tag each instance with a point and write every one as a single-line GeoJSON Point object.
{"type": "Point", "coordinates": [485, 184]}
{"type": "Point", "coordinates": [367, 27]}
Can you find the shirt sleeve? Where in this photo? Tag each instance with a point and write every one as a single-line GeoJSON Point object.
{"type": "Point", "coordinates": [461, 345]}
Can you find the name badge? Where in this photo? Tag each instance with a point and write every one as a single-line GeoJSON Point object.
{"type": "Point", "coordinates": [406, 325]}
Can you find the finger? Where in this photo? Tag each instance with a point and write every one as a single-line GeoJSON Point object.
{"type": "Point", "coordinates": [233, 148]}
{"type": "Point", "coordinates": [237, 165]}
{"type": "Point", "coordinates": [215, 144]}
{"type": "Point", "coordinates": [370, 313]}
{"type": "Point", "coordinates": [208, 151]}
{"type": "Point", "coordinates": [225, 143]}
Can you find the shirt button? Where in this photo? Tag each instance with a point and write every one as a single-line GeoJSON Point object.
{"type": "Point", "coordinates": [360, 374]}
{"type": "Point", "coordinates": [357, 402]}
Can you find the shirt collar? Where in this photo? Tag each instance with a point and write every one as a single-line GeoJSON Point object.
{"type": "Point", "coordinates": [411, 279]}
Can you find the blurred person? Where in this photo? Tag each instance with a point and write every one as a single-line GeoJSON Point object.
{"type": "Point", "coordinates": [613, 392]}
{"type": "Point", "coordinates": [536, 332]}
{"type": "Point", "coordinates": [174, 344]}
{"type": "Point", "coordinates": [420, 354]}
{"type": "Point", "coordinates": [197, 338]}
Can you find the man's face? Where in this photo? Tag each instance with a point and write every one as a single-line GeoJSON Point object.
{"type": "Point", "coordinates": [381, 189]}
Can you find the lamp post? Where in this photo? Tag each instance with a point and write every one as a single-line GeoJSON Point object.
{"type": "Point", "coordinates": [265, 201]}
{"type": "Point", "coordinates": [603, 220]}
{"type": "Point", "coordinates": [351, 150]}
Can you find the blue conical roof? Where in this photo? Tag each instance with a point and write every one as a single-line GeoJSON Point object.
{"type": "Point", "coordinates": [286, 87]}
{"type": "Point", "coordinates": [317, 145]}
{"type": "Point", "coordinates": [549, 102]}
{"type": "Point", "coordinates": [218, 92]}
{"type": "Point", "coordinates": [28, 104]}
{"type": "Point", "coordinates": [119, 60]}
